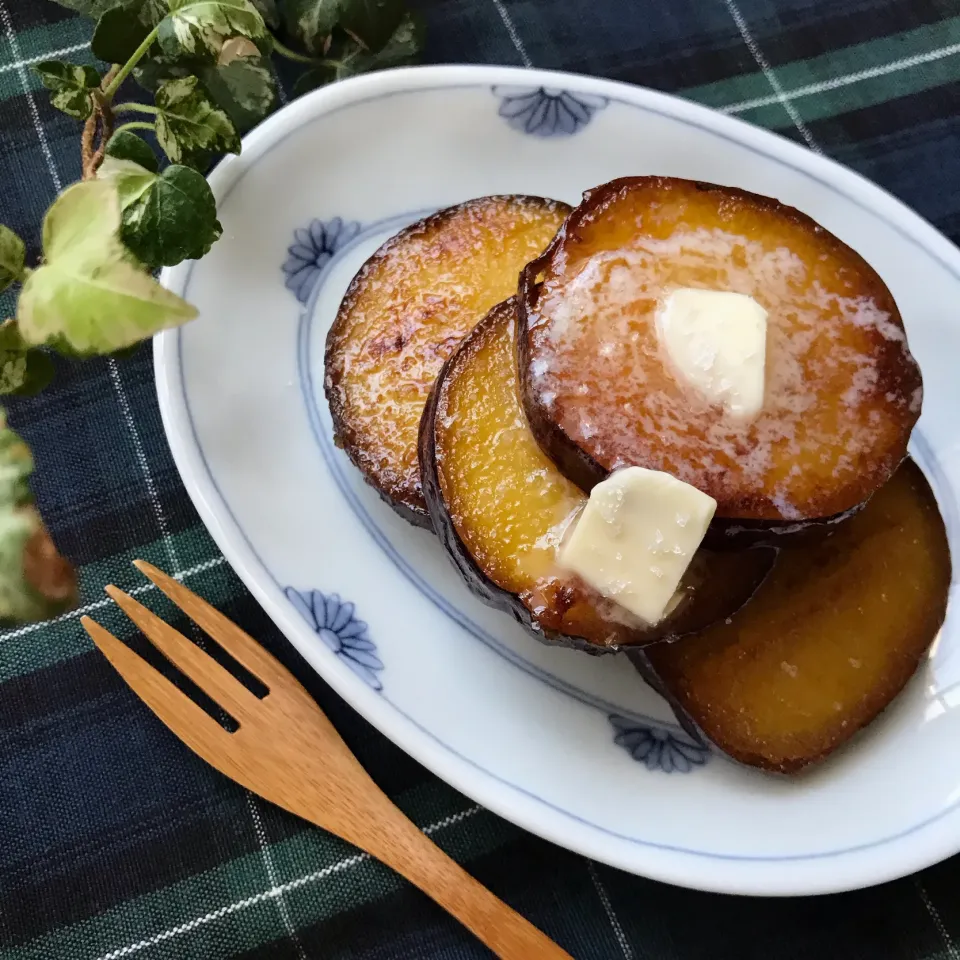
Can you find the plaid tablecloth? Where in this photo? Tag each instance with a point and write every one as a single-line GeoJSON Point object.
{"type": "Point", "coordinates": [115, 841]}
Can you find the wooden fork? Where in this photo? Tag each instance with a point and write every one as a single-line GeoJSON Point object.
{"type": "Point", "coordinates": [287, 751]}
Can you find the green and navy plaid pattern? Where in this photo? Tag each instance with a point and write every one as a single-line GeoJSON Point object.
{"type": "Point", "coordinates": [115, 841]}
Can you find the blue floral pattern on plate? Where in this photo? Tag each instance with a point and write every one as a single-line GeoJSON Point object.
{"type": "Point", "coordinates": [312, 249]}
{"type": "Point", "coordinates": [545, 112]}
{"type": "Point", "coordinates": [333, 621]}
{"type": "Point", "coordinates": [656, 747]}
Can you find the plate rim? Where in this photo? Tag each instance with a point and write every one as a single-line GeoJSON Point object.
{"type": "Point", "coordinates": [508, 800]}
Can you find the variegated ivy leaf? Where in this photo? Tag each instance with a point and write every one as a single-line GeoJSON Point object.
{"type": "Point", "coordinates": [121, 29]}
{"type": "Point", "coordinates": [348, 59]}
{"type": "Point", "coordinates": [152, 11]}
{"type": "Point", "coordinates": [150, 72]}
{"type": "Point", "coordinates": [167, 217]}
{"type": "Point", "coordinates": [268, 10]}
{"type": "Point", "coordinates": [191, 129]}
{"type": "Point", "coordinates": [12, 254]}
{"type": "Point", "coordinates": [200, 27]}
{"type": "Point", "coordinates": [126, 145]}
{"type": "Point", "coordinates": [311, 22]}
{"type": "Point", "coordinates": [87, 297]}
{"type": "Point", "coordinates": [23, 371]}
{"type": "Point", "coordinates": [35, 581]}
{"type": "Point", "coordinates": [371, 22]}
{"type": "Point", "coordinates": [242, 82]}
{"type": "Point", "coordinates": [70, 86]}
{"type": "Point", "coordinates": [88, 8]}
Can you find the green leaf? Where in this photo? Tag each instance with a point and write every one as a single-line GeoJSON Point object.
{"type": "Point", "coordinates": [190, 128]}
{"type": "Point", "coordinates": [242, 82]}
{"type": "Point", "coordinates": [22, 371]}
{"type": "Point", "coordinates": [87, 296]}
{"type": "Point", "coordinates": [152, 11]}
{"type": "Point", "coordinates": [130, 179]}
{"type": "Point", "coordinates": [71, 86]}
{"type": "Point", "coordinates": [165, 218]}
{"type": "Point", "coordinates": [403, 47]}
{"type": "Point", "coordinates": [118, 34]}
{"type": "Point", "coordinates": [152, 71]}
{"type": "Point", "coordinates": [310, 22]}
{"type": "Point", "coordinates": [35, 581]}
{"type": "Point", "coordinates": [198, 27]}
{"type": "Point", "coordinates": [126, 145]}
{"type": "Point", "coordinates": [372, 22]}
{"type": "Point", "coordinates": [268, 10]}
{"type": "Point", "coordinates": [349, 59]}
{"type": "Point", "coordinates": [313, 78]}
{"type": "Point", "coordinates": [12, 253]}
{"type": "Point", "coordinates": [89, 8]}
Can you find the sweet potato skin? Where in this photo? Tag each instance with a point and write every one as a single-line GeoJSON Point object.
{"type": "Point", "coordinates": [569, 604]}
{"type": "Point", "coordinates": [826, 644]}
{"type": "Point", "coordinates": [417, 329]}
{"type": "Point", "coordinates": [749, 516]}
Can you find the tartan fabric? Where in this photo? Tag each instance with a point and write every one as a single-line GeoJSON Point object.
{"type": "Point", "coordinates": [115, 841]}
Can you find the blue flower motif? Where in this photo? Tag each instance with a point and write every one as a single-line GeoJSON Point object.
{"type": "Point", "coordinates": [546, 112]}
{"type": "Point", "coordinates": [312, 249]}
{"type": "Point", "coordinates": [659, 749]}
{"type": "Point", "coordinates": [335, 624]}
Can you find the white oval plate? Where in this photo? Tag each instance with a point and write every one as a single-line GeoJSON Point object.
{"type": "Point", "coordinates": [573, 748]}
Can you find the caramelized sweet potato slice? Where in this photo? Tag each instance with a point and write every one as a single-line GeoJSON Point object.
{"type": "Point", "coordinates": [501, 508]}
{"type": "Point", "coordinates": [828, 641]}
{"type": "Point", "coordinates": [403, 315]}
{"type": "Point", "coordinates": [842, 390]}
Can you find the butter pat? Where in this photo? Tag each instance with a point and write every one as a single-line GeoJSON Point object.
{"type": "Point", "coordinates": [636, 537]}
{"type": "Point", "coordinates": [717, 342]}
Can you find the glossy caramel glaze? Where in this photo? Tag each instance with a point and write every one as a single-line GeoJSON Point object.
{"type": "Point", "coordinates": [842, 390]}
{"type": "Point", "coordinates": [402, 317]}
{"type": "Point", "coordinates": [501, 508]}
{"type": "Point", "coordinates": [826, 643]}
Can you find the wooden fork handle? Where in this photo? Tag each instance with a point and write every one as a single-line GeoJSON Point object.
{"type": "Point", "coordinates": [416, 857]}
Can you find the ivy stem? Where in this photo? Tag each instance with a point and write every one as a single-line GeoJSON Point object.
{"type": "Point", "coordinates": [111, 88]}
{"type": "Point", "coordinates": [285, 51]}
{"type": "Point", "coordinates": [96, 131]}
{"type": "Point", "coordinates": [134, 107]}
{"type": "Point", "coordinates": [136, 125]}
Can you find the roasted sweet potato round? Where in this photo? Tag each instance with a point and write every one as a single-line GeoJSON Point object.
{"type": "Point", "coordinates": [501, 508]}
{"type": "Point", "coordinates": [826, 643]}
{"type": "Point", "coordinates": [842, 391]}
{"type": "Point", "coordinates": [402, 316]}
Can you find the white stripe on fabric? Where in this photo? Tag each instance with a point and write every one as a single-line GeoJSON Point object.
{"type": "Point", "coordinates": [846, 80]}
{"type": "Point", "coordinates": [512, 30]}
{"type": "Point", "coordinates": [52, 55]}
{"type": "Point", "coordinates": [951, 947]}
{"type": "Point", "coordinates": [271, 894]}
{"type": "Point", "coordinates": [105, 602]}
{"type": "Point", "coordinates": [608, 909]}
{"type": "Point", "coordinates": [762, 63]}
{"type": "Point", "coordinates": [7, 23]}
{"type": "Point", "coordinates": [281, 904]}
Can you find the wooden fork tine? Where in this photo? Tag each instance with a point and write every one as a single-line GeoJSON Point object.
{"type": "Point", "coordinates": [196, 728]}
{"type": "Point", "coordinates": [214, 680]}
{"type": "Point", "coordinates": [238, 644]}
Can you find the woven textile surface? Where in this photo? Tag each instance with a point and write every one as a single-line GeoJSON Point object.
{"type": "Point", "coordinates": [115, 841]}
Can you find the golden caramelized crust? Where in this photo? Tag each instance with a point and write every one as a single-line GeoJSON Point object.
{"type": "Point", "coordinates": [501, 508]}
{"type": "Point", "coordinates": [403, 315]}
{"type": "Point", "coordinates": [842, 391]}
{"type": "Point", "coordinates": [828, 640]}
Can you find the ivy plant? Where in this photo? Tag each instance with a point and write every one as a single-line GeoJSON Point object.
{"type": "Point", "coordinates": [183, 81]}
